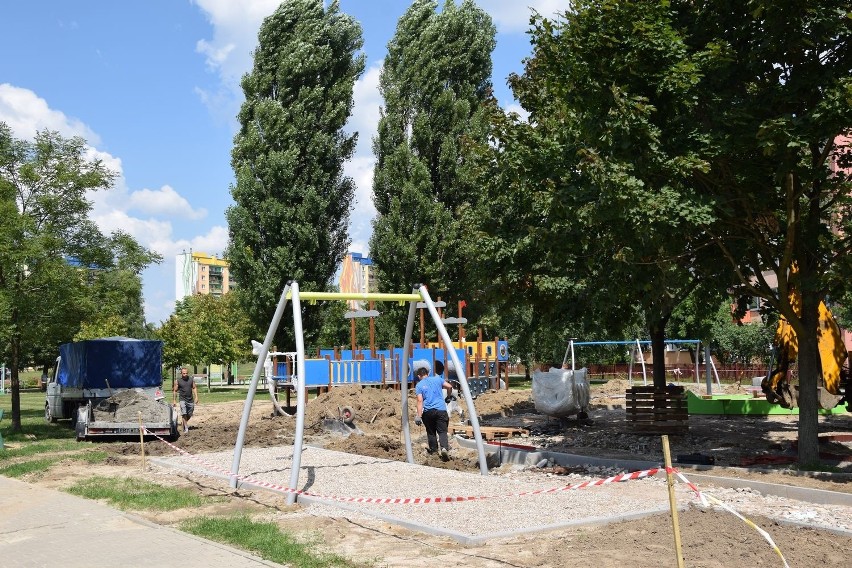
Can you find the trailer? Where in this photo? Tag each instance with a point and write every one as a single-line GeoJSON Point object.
{"type": "Point", "coordinates": [109, 387]}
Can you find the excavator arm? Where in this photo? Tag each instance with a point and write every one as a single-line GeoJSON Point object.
{"type": "Point", "coordinates": [834, 385]}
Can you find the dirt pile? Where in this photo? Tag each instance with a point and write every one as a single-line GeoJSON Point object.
{"type": "Point", "coordinates": [730, 440]}
{"type": "Point", "coordinates": [126, 406]}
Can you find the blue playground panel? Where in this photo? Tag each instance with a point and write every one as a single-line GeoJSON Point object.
{"type": "Point", "coordinates": [363, 369]}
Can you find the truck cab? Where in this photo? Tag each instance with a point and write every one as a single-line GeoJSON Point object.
{"type": "Point", "coordinates": [55, 407]}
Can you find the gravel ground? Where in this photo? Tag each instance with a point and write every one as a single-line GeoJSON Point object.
{"type": "Point", "coordinates": [344, 477]}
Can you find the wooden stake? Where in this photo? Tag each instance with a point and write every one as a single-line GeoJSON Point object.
{"type": "Point", "coordinates": [142, 441]}
{"type": "Point", "coordinates": [672, 501]}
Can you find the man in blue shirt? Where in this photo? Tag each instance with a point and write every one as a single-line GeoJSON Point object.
{"type": "Point", "coordinates": [432, 408]}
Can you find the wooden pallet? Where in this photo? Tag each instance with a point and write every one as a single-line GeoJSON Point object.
{"type": "Point", "coordinates": [651, 411]}
{"type": "Point", "coordinates": [492, 432]}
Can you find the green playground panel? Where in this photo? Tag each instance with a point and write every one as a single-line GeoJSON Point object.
{"type": "Point", "coordinates": [742, 404]}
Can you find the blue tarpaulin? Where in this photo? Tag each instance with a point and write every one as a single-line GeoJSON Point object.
{"type": "Point", "coordinates": [124, 362]}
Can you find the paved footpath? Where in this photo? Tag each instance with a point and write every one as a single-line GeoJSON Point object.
{"type": "Point", "coordinates": [45, 528]}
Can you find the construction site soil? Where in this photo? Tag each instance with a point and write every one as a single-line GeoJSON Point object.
{"type": "Point", "coordinates": [711, 538]}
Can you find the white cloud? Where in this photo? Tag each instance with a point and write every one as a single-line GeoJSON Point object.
{"type": "Point", "coordinates": [228, 53]}
{"type": "Point", "coordinates": [513, 16]}
{"type": "Point", "coordinates": [26, 113]}
{"type": "Point", "coordinates": [143, 230]}
{"type": "Point", "coordinates": [366, 108]}
{"type": "Point", "coordinates": [164, 201]}
{"type": "Point", "coordinates": [521, 111]}
{"type": "Point", "coordinates": [235, 26]}
{"type": "Point", "coordinates": [360, 169]}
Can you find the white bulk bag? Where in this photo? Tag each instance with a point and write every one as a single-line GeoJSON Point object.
{"type": "Point", "coordinates": [560, 392]}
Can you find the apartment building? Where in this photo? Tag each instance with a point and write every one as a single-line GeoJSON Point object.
{"type": "Point", "coordinates": [201, 273]}
{"type": "Point", "coordinates": [357, 275]}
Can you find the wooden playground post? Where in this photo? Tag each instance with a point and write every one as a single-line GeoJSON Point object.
{"type": "Point", "coordinates": [479, 351]}
{"type": "Point", "coordinates": [372, 331]}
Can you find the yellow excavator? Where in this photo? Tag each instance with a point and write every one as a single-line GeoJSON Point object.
{"type": "Point", "coordinates": [834, 387]}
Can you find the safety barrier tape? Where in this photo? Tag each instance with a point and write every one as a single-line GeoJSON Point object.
{"type": "Point", "coordinates": [413, 500]}
{"type": "Point", "coordinates": [707, 497]}
{"type": "Point", "coordinates": [704, 497]}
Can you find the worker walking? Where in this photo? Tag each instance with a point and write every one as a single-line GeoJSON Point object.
{"type": "Point", "coordinates": [186, 393]}
{"type": "Point", "coordinates": [432, 408]}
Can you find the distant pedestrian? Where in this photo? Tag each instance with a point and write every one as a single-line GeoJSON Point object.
{"type": "Point", "coordinates": [432, 408]}
{"type": "Point", "coordinates": [186, 393]}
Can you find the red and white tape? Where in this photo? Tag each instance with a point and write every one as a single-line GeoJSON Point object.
{"type": "Point", "coordinates": [414, 500]}
{"type": "Point", "coordinates": [702, 496]}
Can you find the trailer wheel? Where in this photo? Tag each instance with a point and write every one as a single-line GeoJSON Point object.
{"type": "Point", "coordinates": [48, 415]}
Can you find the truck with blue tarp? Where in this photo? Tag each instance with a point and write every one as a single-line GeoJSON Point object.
{"type": "Point", "coordinates": [108, 386]}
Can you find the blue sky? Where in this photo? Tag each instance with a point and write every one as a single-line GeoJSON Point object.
{"type": "Point", "coordinates": [153, 86]}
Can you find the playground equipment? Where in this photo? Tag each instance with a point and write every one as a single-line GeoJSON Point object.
{"type": "Point", "coordinates": [636, 347]}
{"type": "Point", "coordinates": [485, 363]}
{"type": "Point", "coordinates": [292, 293]}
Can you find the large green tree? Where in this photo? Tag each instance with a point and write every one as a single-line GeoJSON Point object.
{"type": "Point", "coordinates": [603, 220]}
{"type": "Point", "coordinates": [115, 294]}
{"type": "Point", "coordinates": [668, 140]}
{"type": "Point", "coordinates": [776, 98]}
{"type": "Point", "coordinates": [49, 246]}
{"type": "Point", "coordinates": [292, 201]}
{"type": "Point", "coordinates": [434, 81]}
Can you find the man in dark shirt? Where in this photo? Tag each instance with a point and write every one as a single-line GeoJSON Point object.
{"type": "Point", "coordinates": [186, 392]}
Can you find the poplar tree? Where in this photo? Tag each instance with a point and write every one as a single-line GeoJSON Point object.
{"type": "Point", "coordinates": [435, 79]}
{"type": "Point", "coordinates": [292, 201]}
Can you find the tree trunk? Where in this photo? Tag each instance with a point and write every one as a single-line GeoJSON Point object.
{"type": "Point", "coordinates": [15, 348]}
{"type": "Point", "coordinates": [810, 372]}
{"type": "Point", "coordinates": [658, 354]}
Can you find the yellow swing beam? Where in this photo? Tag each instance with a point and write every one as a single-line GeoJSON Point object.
{"type": "Point", "coordinates": [365, 296]}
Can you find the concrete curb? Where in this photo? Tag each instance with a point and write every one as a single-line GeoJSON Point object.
{"type": "Point", "coordinates": [519, 456]}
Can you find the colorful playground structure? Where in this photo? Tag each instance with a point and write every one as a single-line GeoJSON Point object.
{"type": "Point", "coordinates": [486, 365]}
{"type": "Point", "coordinates": [324, 372]}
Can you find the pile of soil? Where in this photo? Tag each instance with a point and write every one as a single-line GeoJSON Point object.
{"type": "Point", "coordinates": [731, 441]}
{"type": "Point", "coordinates": [126, 406]}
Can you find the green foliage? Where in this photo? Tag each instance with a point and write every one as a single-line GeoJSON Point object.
{"type": "Point", "coordinates": [50, 251]}
{"type": "Point", "coordinates": [435, 79]}
{"type": "Point", "coordinates": [115, 295]}
{"type": "Point", "coordinates": [733, 342]}
{"type": "Point", "coordinates": [608, 229]}
{"type": "Point", "coordinates": [774, 99]}
{"type": "Point", "coordinates": [292, 200]}
{"type": "Point", "coordinates": [206, 329]}
{"type": "Point", "coordinates": [264, 539]}
{"type": "Point", "coordinates": [677, 148]}
{"type": "Point", "coordinates": [135, 494]}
